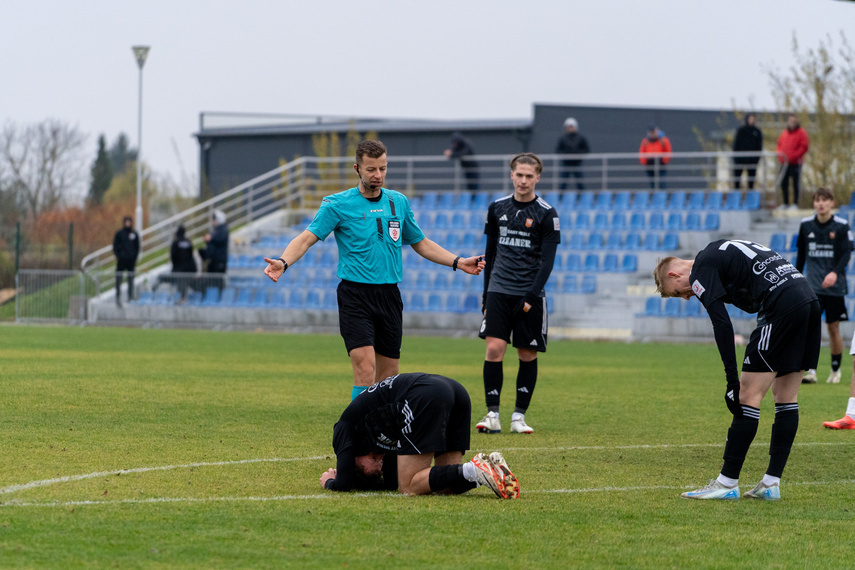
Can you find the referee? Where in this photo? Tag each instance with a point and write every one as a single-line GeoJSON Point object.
{"type": "Point", "coordinates": [371, 224]}
{"type": "Point", "coordinates": [522, 236]}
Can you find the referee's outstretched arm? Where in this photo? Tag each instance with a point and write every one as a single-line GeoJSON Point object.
{"type": "Point", "coordinates": [295, 250]}
{"type": "Point", "coordinates": [432, 251]}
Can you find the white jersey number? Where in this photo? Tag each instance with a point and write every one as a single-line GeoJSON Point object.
{"type": "Point", "coordinates": [746, 247]}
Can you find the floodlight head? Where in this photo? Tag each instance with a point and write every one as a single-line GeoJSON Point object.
{"type": "Point", "coordinates": [140, 52]}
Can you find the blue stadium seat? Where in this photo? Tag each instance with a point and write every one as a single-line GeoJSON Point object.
{"type": "Point", "coordinates": [147, 298]}
{"type": "Point", "coordinates": [601, 221]}
{"type": "Point", "coordinates": [296, 299]}
{"type": "Point", "coordinates": [651, 241]}
{"type": "Point", "coordinates": [463, 201]}
{"type": "Point", "coordinates": [476, 220]}
{"type": "Point", "coordinates": [471, 242]}
{"type": "Point", "coordinates": [559, 263]}
{"type": "Point", "coordinates": [260, 298]}
{"type": "Point", "coordinates": [583, 221]}
{"type": "Point", "coordinates": [472, 303]}
{"type": "Point", "coordinates": [595, 241]}
{"type": "Point", "coordinates": [621, 201]}
{"type": "Point", "coordinates": [670, 241]}
{"type": "Point", "coordinates": [592, 262]}
{"type": "Point", "coordinates": [430, 200]}
{"type": "Point", "coordinates": [610, 262]}
{"type": "Point", "coordinates": [313, 299]}
{"type": "Point", "coordinates": [416, 203]}
{"type": "Point", "coordinates": [589, 284]}
{"type": "Point", "coordinates": [452, 241]}
{"type": "Point", "coordinates": [441, 221]}
{"type": "Point", "coordinates": [630, 263]}
{"type": "Point", "coordinates": [308, 260]}
{"type": "Point", "coordinates": [711, 222]}
{"type": "Point", "coordinates": [677, 200]}
{"type": "Point", "coordinates": [652, 307]}
{"type": "Point", "coordinates": [244, 297]}
{"type": "Point", "coordinates": [585, 201]}
{"type": "Point", "coordinates": [778, 242]}
{"type": "Point", "coordinates": [675, 221]}
{"type": "Point", "coordinates": [658, 201]}
{"type": "Point", "coordinates": [574, 263]}
{"type": "Point", "coordinates": [459, 220]}
{"type": "Point", "coordinates": [480, 201]}
{"type": "Point", "coordinates": [327, 258]}
{"type": "Point", "coordinates": [752, 200]}
{"type": "Point", "coordinates": [446, 201]}
{"type": "Point", "coordinates": [672, 307]}
{"type": "Point", "coordinates": [633, 241]}
{"type": "Point", "coordinates": [636, 221]}
{"type": "Point", "coordinates": [693, 222]}
{"type": "Point", "coordinates": [713, 201]}
{"type": "Point", "coordinates": [194, 298]}
{"type": "Point", "coordinates": [569, 284]}
{"type": "Point", "coordinates": [692, 307]}
{"type": "Point", "coordinates": [551, 286]}
{"type": "Point", "coordinates": [732, 201]}
{"type": "Point", "coordinates": [656, 221]}
{"type": "Point", "coordinates": [696, 200]}
{"type": "Point", "coordinates": [424, 219]}
{"type": "Point", "coordinates": [435, 303]}
{"type": "Point", "coordinates": [416, 302]}
{"type": "Point", "coordinates": [604, 200]}
{"type": "Point", "coordinates": [452, 304]}
{"type": "Point", "coordinates": [614, 241]}
{"type": "Point", "coordinates": [442, 281]}
{"type": "Point", "coordinates": [640, 200]}
{"type": "Point", "coordinates": [794, 243]}
{"type": "Point", "coordinates": [212, 297]}
{"type": "Point", "coordinates": [330, 302]}
{"type": "Point", "coordinates": [553, 199]}
{"type": "Point", "coordinates": [568, 201]}
{"type": "Point", "coordinates": [279, 298]}
{"type": "Point", "coordinates": [618, 221]}
{"type": "Point", "coordinates": [577, 241]}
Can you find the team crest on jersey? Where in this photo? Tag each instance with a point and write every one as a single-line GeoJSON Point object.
{"type": "Point", "coordinates": [831, 235]}
{"type": "Point", "coordinates": [528, 222]}
{"type": "Point", "coordinates": [394, 230]}
{"type": "Point", "coordinates": [698, 288]}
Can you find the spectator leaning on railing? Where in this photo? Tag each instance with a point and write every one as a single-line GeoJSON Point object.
{"type": "Point", "coordinates": [654, 153]}
{"type": "Point", "coordinates": [793, 143]}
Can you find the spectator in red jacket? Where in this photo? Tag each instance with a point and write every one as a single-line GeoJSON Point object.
{"type": "Point", "coordinates": [793, 143]}
{"type": "Point", "coordinates": [654, 153]}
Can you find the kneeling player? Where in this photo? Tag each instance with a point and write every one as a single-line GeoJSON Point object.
{"type": "Point", "coordinates": [397, 427]}
{"type": "Point", "coordinates": [784, 344]}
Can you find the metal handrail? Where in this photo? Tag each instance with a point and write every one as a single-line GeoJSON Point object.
{"type": "Point", "coordinates": [299, 185]}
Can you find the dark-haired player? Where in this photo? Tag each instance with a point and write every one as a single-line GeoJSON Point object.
{"type": "Point", "coordinates": [786, 342]}
{"type": "Point", "coordinates": [824, 246]}
{"type": "Point", "coordinates": [371, 224]}
{"type": "Point", "coordinates": [398, 427]}
{"type": "Point", "coordinates": [522, 237]}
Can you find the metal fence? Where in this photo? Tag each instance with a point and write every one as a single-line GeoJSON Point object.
{"type": "Point", "coordinates": [52, 296]}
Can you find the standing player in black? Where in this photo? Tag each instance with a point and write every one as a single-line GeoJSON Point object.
{"type": "Point", "coordinates": [522, 236]}
{"type": "Point", "coordinates": [398, 426]}
{"type": "Point", "coordinates": [786, 341]}
{"type": "Point", "coordinates": [824, 246]}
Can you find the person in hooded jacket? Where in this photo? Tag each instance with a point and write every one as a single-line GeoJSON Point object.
{"type": "Point", "coordinates": [461, 149]}
{"type": "Point", "coordinates": [748, 138]}
{"type": "Point", "coordinates": [793, 145]}
{"type": "Point", "coordinates": [126, 248]}
{"type": "Point", "coordinates": [572, 143]}
{"type": "Point", "coordinates": [183, 263]}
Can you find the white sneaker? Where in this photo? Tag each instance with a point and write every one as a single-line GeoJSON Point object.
{"type": "Point", "coordinates": [713, 490]}
{"type": "Point", "coordinates": [519, 426]}
{"type": "Point", "coordinates": [833, 378]}
{"type": "Point", "coordinates": [489, 424]}
{"type": "Point", "coordinates": [764, 493]}
{"type": "Point", "coordinates": [793, 207]}
{"type": "Point", "coordinates": [810, 377]}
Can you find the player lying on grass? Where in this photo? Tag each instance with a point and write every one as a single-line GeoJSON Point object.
{"type": "Point", "coordinates": [786, 341]}
{"type": "Point", "coordinates": [389, 435]}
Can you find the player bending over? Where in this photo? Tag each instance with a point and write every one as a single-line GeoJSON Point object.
{"type": "Point", "coordinates": [389, 435]}
{"type": "Point", "coordinates": [786, 341]}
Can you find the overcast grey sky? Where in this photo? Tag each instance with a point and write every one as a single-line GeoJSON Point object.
{"type": "Point", "coordinates": [430, 59]}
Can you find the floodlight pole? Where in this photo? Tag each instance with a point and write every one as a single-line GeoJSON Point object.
{"type": "Point", "coordinates": [140, 53]}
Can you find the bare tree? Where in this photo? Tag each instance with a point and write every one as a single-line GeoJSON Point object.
{"type": "Point", "coordinates": [43, 163]}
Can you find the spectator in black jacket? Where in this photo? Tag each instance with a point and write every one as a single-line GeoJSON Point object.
{"type": "Point", "coordinates": [748, 139]}
{"type": "Point", "coordinates": [461, 149]}
{"type": "Point", "coordinates": [572, 143]}
{"type": "Point", "coordinates": [126, 248]}
{"type": "Point", "coordinates": [216, 251]}
{"type": "Point", "coordinates": [183, 263]}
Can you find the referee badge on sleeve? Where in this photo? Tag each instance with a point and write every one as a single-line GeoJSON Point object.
{"type": "Point", "coordinates": [394, 230]}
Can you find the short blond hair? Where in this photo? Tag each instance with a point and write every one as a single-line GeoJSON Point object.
{"type": "Point", "coordinates": [660, 274]}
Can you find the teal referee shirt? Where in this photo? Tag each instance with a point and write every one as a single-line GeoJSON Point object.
{"type": "Point", "coordinates": [369, 233]}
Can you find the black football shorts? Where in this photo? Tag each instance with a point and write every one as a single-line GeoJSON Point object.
{"type": "Point", "coordinates": [789, 344]}
{"type": "Point", "coordinates": [503, 319]}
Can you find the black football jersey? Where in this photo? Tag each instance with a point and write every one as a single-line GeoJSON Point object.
{"type": "Point", "coordinates": [750, 276]}
{"type": "Point", "coordinates": [521, 229]}
{"type": "Point", "coordinates": [821, 248]}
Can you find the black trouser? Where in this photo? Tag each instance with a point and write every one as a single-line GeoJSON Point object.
{"type": "Point", "coordinates": [793, 172]}
{"type": "Point", "coordinates": [751, 168]}
{"type": "Point", "coordinates": [572, 170]}
{"type": "Point", "coordinates": [652, 171]}
{"type": "Point", "coordinates": [123, 265]}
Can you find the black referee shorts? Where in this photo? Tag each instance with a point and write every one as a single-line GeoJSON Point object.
{"type": "Point", "coordinates": [371, 315]}
{"type": "Point", "coordinates": [502, 319]}
{"type": "Point", "coordinates": [788, 344]}
{"type": "Point", "coordinates": [437, 417]}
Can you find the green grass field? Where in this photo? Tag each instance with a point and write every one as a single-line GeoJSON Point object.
{"type": "Point", "coordinates": [162, 448]}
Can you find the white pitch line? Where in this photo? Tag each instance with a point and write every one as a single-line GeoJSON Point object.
{"type": "Point", "coordinates": [157, 500]}
{"type": "Point", "coordinates": [69, 478]}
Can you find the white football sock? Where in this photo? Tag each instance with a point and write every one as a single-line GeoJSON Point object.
{"type": "Point", "coordinates": [727, 481]}
{"type": "Point", "coordinates": [850, 409]}
{"type": "Point", "coordinates": [769, 480]}
{"type": "Point", "coordinates": [470, 472]}
{"type": "Point", "coordinates": [517, 416]}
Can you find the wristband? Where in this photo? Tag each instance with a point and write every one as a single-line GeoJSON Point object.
{"type": "Point", "coordinates": [454, 265]}
{"type": "Point", "coordinates": [285, 263]}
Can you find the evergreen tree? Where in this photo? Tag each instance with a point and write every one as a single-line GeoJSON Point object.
{"type": "Point", "coordinates": [102, 173]}
{"type": "Point", "coordinates": [121, 154]}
